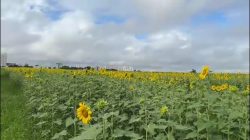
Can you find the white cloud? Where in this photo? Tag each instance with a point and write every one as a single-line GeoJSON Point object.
{"type": "Point", "coordinates": [170, 43]}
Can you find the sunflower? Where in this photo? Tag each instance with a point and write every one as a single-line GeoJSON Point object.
{"type": "Point", "coordinates": [84, 113]}
{"type": "Point", "coordinates": [224, 86]}
{"type": "Point", "coordinates": [204, 72]}
{"type": "Point", "coordinates": [101, 104]}
{"type": "Point", "coordinates": [233, 88]}
{"type": "Point", "coordinates": [248, 87]}
{"type": "Point", "coordinates": [213, 87]}
{"type": "Point", "coordinates": [219, 88]}
{"type": "Point", "coordinates": [163, 110]}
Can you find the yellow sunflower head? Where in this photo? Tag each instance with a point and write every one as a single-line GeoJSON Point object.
{"type": "Point", "coordinates": [204, 72]}
{"type": "Point", "coordinates": [213, 87]}
{"type": "Point", "coordinates": [219, 88]}
{"type": "Point", "coordinates": [224, 86]}
{"type": "Point", "coordinates": [84, 113]}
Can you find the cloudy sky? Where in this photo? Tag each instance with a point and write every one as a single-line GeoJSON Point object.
{"type": "Point", "coordinates": [161, 35]}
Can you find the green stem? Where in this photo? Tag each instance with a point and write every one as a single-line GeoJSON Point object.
{"type": "Point", "coordinates": [146, 124]}
{"type": "Point", "coordinates": [103, 130]}
{"type": "Point", "coordinates": [208, 120]}
{"type": "Point", "coordinates": [246, 120]}
{"type": "Point", "coordinates": [146, 117]}
{"type": "Point", "coordinates": [52, 129]}
{"type": "Point", "coordinates": [112, 122]}
{"type": "Point", "coordinates": [75, 122]}
{"type": "Point", "coordinates": [228, 127]}
{"type": "Point", "coordinates": [197, 115]}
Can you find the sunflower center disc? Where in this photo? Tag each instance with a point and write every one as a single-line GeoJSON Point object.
{"type": "Point", "coordinates": [85, 113]}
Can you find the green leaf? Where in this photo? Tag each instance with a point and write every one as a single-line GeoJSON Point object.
{"type": "Point", "coordinates": [123, 117]}
{"type": "Point", "coordinates": [161, 121]}
{"type": "Point", "coordinates": [160, 127]}
{"type": "Point", "coordinates": [222, 125]}
{"type": "Point", "coordinates": [57, 135]}
{"type": "Point", "coordinates": [116, 113]}
{"type": "Point", "coordinates": [191, 135]}
{"type": "Point", "coordinates": [89, 134]}
{"type": "Point", "coordinates": [69, 121]}
{"type": "Point", "coordinates": [120, 133]}
{"type": "Point", "coordinates": [171, 123]}
{"type": "Point", "coordinates": [202, 126]}
{"type": "Point", "coordinates": [132, 135]}
{"type": "Point", "coordinates": [45, 132]}
{"type": "Point", "coordinates": [41, 123]}
{"type": "Point", "coordinates": [40, 115]}
{"type": "Point", "coordinates": [181, 127]}
{"type": "Point", "coordinates": [150, 128]}
{"type": "Point", "coordinates": [235, 114]}
{"type": "Point", "coordinates": [58, 121]}
{"type": "Point", "coordinates": [195, 105]}
{"type": "Point", "coordinates": [160, 137]}
{"type": "Point", "coordinates": [62, 107]}
{"type": "Point", "coordinates": [170, 136]}
{"type": "Point", "coordinates": [134, 119]}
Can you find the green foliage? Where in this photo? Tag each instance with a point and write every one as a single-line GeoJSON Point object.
{"type": "Point", "coordinates": [149, 111]}
{"type": "Point", "coordinates": [15, 124]}
{"type": "Point", "coordinates": [4, 73]}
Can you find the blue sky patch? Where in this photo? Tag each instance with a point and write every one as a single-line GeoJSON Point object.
{"type": "Point", "coordinates": [104, 19]}
{"type": "Point", "coordinates": [216, 18]}
{"type": "Point", "coordinates": [54, 14]}
{"type": "Point", "coordinates": [142, 37]}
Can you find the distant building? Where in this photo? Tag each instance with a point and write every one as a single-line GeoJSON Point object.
{"type": "Point", "coordinates": [120, 67]}
{"type": "Point", "coordinates": [3, 59]}
{"type": "Point", "coordinates": [127, 68]}
{"type": "Point", "coordinates": [11, 64]}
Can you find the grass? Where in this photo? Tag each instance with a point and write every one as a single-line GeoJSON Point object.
{"type": "Point", "coordinates": [14, 120]}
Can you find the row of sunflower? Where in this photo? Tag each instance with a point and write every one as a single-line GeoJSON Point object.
{"type": "Point", "coordinates": [170, 78]}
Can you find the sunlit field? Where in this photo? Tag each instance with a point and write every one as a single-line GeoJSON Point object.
{"type": "Point", "coordinates": [115, 105]}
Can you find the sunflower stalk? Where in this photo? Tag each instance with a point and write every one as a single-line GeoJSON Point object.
{"type": "Point", "coordinates": [228, 127]}
{"type": "Point", "coordinates": [52, 124]}
{"type": "Point", "coordinates": [103, 129]}
{"type": "Point", "coordinates": [146, 123]}
{"type": "Point", "coordinates": [74, 121]}
{"type": "Point", "coordinates": [197, 116]}
{"type": "Point", "coordinates": [112, 122]}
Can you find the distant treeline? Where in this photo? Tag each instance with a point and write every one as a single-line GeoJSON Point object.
{"type": "Point", "coordinates": [62, 67]}
{"type": "Point", "coordinates": [75, 68]}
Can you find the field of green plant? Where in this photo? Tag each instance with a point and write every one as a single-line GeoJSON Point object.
{"type": "Point", "coordinates": [86, 105]}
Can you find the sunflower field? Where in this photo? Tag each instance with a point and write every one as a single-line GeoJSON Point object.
{"type": "Point", "coordinates": [116, 105]}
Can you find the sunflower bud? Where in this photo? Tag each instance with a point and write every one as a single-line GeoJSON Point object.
{"type": "Point", "coordinates": [101, 104]}
{"type": "Point", "coordinates": [233, 88]}
{"type": "Point", "coordinates": [164, 110]}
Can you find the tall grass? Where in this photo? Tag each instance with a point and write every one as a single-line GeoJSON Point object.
{"type": "Point", "coordinates": [14, 121]}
